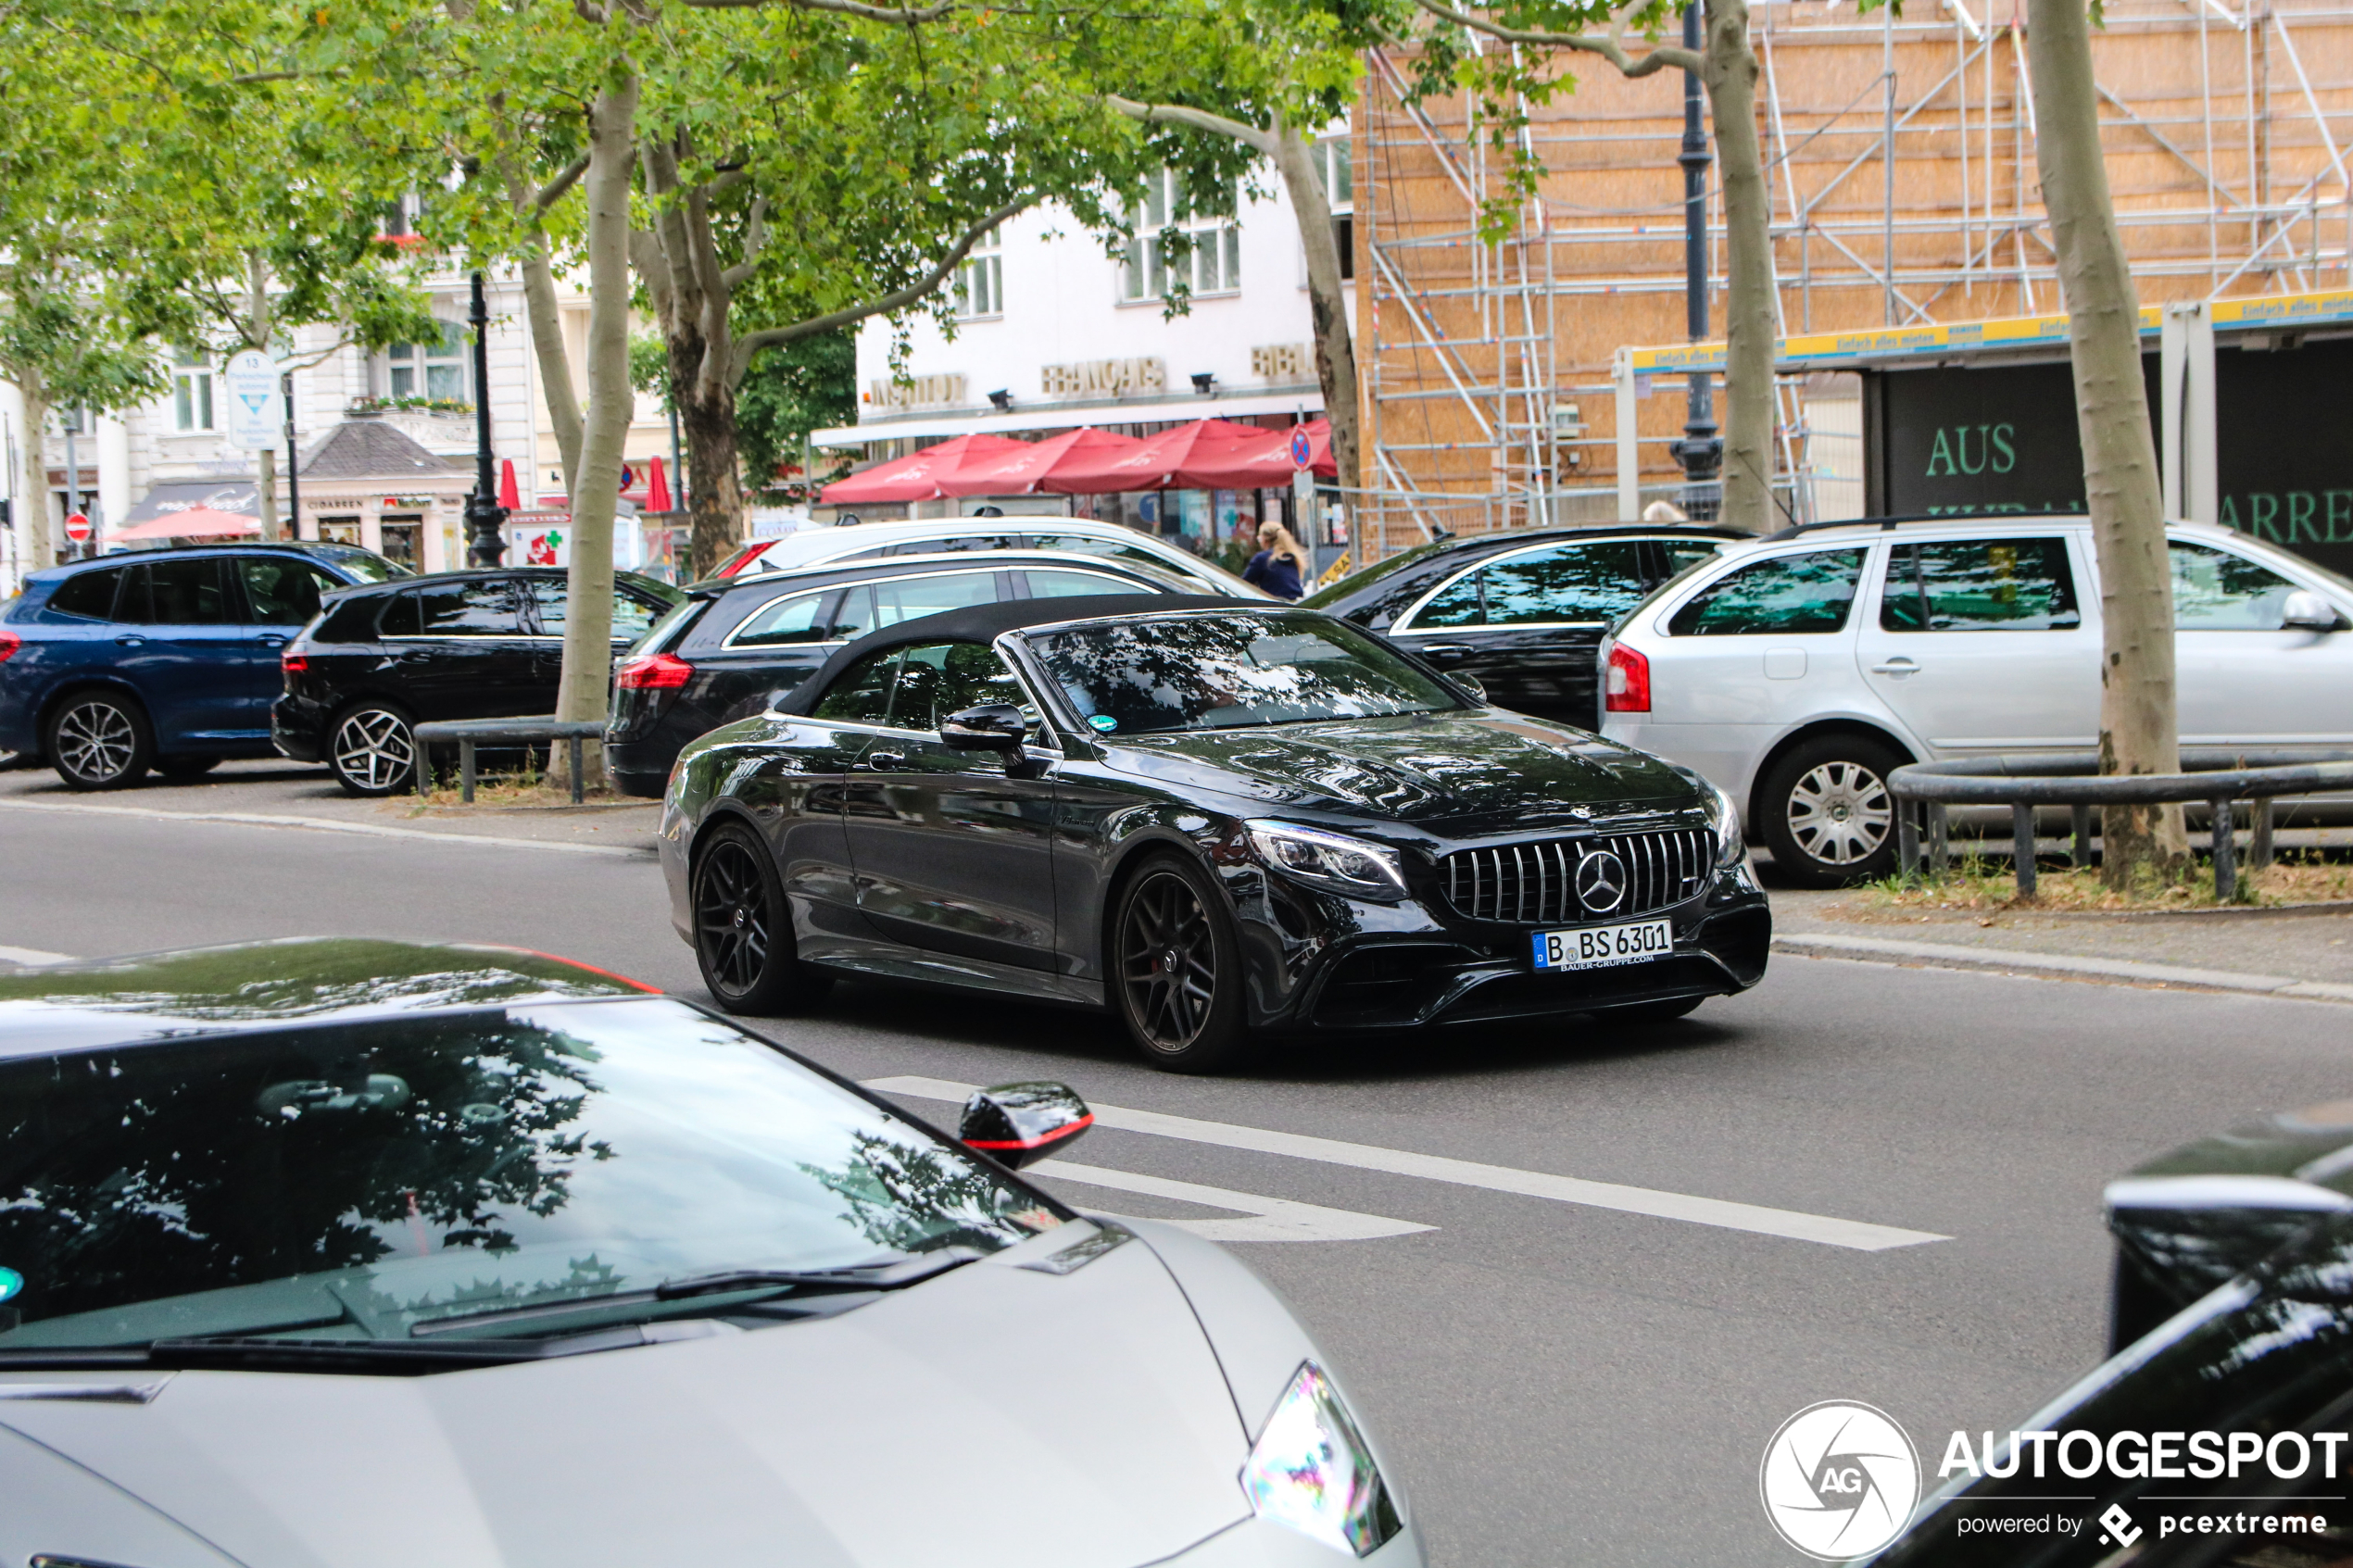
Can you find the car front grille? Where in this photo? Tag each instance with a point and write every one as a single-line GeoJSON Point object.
{"type": "Point", "coordinates": [1537, 884]}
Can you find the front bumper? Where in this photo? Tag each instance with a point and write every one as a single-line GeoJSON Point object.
{"type": "Point", "coordinates": [1315, 967]}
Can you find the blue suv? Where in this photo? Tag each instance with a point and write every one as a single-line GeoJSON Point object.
{"type": "Point", "coordinates": [161, 658]}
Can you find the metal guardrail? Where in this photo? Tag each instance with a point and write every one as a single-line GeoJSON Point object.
{"type": "Point", "coordinates": [468, 732]}
{"type": "Point", "coordinates": [2220, 776]}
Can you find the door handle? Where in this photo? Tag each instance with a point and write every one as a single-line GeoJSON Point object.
{"type": "Point", "coordinates": [878, 760]}
{"type": "Point", "coordinates": [1899, 665]}
{"type": "Point", "coordinates": [132, 642]}
{"type": "Point", "coordinates": [1444, 650]}
{"type": "Point", "coordinates": [273, 642]}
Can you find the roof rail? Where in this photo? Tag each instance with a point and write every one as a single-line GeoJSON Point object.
{"type": "Point", "coordinates": [1797, 529]}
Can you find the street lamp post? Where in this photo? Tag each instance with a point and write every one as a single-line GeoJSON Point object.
{"type": "Point", "coordinates": [485, 546]}
{"type": "Point", "coordinates": [1700, 451]}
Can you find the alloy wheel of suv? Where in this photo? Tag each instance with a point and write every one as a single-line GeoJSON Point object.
{"type": "Point", "coordinates": [1826, 813]}
{"type": "Point", "coordinates": [374, 751]}
{"type": "Point", "coordinates": [100, 740]}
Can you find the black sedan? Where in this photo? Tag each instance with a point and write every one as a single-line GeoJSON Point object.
{"type": "Point", "coordinates": [732, 647]}
{"type": "Point", "coordinates": [1523, 612]}
{"type": "Point", "coordinates": [1213, 817]}
{"type": "Point", "coordinates": [462, 644]}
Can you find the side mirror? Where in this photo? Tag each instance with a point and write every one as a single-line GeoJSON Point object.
{"type": "Point", "coordinates": [1019, 1125]}
{"type": "Point", "coordinates": [1471, 684]}
{"type": "Point", "coordinates": [992, 726]}
{"type": "Point", "coordinates": [2306, 611]}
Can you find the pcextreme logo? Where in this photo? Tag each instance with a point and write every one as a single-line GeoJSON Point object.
{"type": "Point", "coordinates": [1840, 1480]}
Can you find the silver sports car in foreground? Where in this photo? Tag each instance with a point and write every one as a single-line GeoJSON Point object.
{"type": "Point", "coordinates": [342, 1254]}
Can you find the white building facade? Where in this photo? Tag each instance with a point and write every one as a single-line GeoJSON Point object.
{"type": "Point", "coordinates": [1053, 334]}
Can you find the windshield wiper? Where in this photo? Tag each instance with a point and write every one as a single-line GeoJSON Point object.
{"type": "Point", "coordinates": [894, 1274]}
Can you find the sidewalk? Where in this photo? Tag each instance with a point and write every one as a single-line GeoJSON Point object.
{"type": "Point", "coordinates": [2306, 953]}
{"type": "Point", "coordinates": [289, 795]}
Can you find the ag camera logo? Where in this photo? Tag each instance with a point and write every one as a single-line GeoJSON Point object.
{"type": "Point", "coordinates": [1840, 1480]}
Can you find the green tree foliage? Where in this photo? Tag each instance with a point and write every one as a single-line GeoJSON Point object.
{"type": "Point", "coordinates": [808, 384]}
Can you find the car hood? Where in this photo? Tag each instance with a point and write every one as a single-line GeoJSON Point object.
{"type": "Point", "coordinates": [1483, 772]}
{"type": "Point", "coordinates": [998, 1414]}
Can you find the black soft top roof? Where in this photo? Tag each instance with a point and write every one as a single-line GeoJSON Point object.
{"type": "Point", "coordinates": [987, 622]}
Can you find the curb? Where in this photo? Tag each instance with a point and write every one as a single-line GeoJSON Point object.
{"type": "Point", "coordinates": [1944, 953]}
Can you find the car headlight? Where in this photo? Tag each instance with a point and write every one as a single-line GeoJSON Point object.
{"type": "Point", "coordinates": [1724, 815]}
{"type": "Point", "coordinates": [1312, 1470]}
{"type": "Point", "coordinates": [1332, 862]}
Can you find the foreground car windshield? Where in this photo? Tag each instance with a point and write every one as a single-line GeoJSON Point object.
{"type": "Point", "coordinates": [1225, 671]}
{"type": "Point", "coordinates": [362, 1181]}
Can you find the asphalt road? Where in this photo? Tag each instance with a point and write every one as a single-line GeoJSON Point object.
{"type": "Point", "coordinates": [1562, 1373]}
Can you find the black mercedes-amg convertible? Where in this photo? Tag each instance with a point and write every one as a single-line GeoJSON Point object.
{"type": "Point", "coordinates": [1216, 819]}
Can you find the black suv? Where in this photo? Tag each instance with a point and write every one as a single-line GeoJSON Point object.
{"type": "Point", "coordinates": [733, 646]}
{"type": "Point", "coordinates": [460, 645]}
{"type": "Point", "coordinates": [1522, 612]}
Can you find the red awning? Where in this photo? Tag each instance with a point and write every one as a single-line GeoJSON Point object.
{"type": "Point", "coordinates": [196, 522]}
{"type": "Point", "coordinates": [1169, 460]}
{"type": "Point", "coordinates": [1265, 465]}
{"type": "Point", "coordinates": [1039, 464]}
{"type": "Point", "coordinates": [921, 476]}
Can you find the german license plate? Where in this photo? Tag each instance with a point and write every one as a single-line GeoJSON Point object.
{"type": "Point", "coordinates": [1598, 947]}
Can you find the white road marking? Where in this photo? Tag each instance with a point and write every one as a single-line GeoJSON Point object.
{"type": "Point", "coordinates": [34, 956]}
{"type": "Point", "coordinates": [1272, 1219]}
{"type": "Point", "coordinates": [1826, 1229]}
{"type": "Point", "coordinates": [325, 824]}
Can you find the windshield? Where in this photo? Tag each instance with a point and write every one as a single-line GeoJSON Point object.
{"type": "Point", "coordinates": [361, 1180]}
{"type": "Point", "coordinates": [1216, 672]}
{"type": "Point", "coordinates": [365, 566]}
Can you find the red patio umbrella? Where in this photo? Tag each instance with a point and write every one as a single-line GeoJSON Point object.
{"type": "Point", "coordinates": [918, 477]}
{"type": "Point", "coordinates": [656, 489]}
{"type": "Point", "coordinates": [509, 496]}
{"type": "Point", "coordinates": [1159, 463]}
{"type": "Point", "coordinates": [1035, 466]}
{"type": "Point", "coordinates": [1265, 464]}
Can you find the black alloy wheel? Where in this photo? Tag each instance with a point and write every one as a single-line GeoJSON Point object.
{"type": "Point", "coordinates": [1825, 812]}
{"type": "Point", "coordinates": [100, 740]}
{"type": "Point", "coordinates": [743, 932]}
{"type": "Point", "coordinates": [372, 750]}
{"type": "Point", "coordinates": [1176, 968]}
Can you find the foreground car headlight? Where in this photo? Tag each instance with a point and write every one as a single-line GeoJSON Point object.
{"type": "Point", "coordinates": [1312, 1470]}
{"type": "Point", "coordinates": [1332, 862]}
{"type": "Point", "coordinates": [1724, 817]}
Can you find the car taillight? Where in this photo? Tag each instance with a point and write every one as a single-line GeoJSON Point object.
{"type": "Point", "coordinates": [653, 673]}
{"type": "Point", "coordinates": [9, 642]}
{"type": "Point", "coordinates": [1629, 682]}
{"type": "Point", "coordinates": [294, 663]}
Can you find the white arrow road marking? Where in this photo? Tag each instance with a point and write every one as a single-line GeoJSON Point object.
{"type": "Point", "coordinates": [1826, 1229]}
{"type": "Point", "coordinates": [1272, 1219]}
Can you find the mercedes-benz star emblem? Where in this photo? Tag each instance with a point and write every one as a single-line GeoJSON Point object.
{"type": "Point", "coordinates": [1600, 881]}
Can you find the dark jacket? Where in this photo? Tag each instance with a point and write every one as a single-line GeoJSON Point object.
{"type": "Point", "coordinates": [1275, 573]}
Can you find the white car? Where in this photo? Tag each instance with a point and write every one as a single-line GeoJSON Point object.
{"type": "Point", "coordinates": [1796, 670]}
{"type": "Point", "coordinates": [1043, 531]}
{"type": "Point", "coordinates": [342, 1254]}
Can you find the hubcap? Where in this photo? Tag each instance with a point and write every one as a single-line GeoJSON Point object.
{"type": "Point", "coordinates": [373, 749]}
{"type": "Point", "coordinates": [95, 741]}
{"type": "Point", "coordinates": [1168, 967]}
{"type": "Point", "coordinates": [731, 918]}
{"type": "Point", "coordinates": [1840, 813]}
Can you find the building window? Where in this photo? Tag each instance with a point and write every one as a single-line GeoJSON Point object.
{"type": "Point", "coordinates": [191, 391]}
{"type": "Point", "coordinates": [1215, 263]}
{"type": "Point", "coordinates": [980, 279]}
{"type": "Point", "coordinates": [1335, 160]}
{"type": "Point", "coordinates": [435, 370]}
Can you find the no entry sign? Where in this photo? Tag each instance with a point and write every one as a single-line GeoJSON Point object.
{"type": "Point", "coordinates": [77, 527]}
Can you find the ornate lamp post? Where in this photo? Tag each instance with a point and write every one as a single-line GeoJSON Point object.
{"type": "Point", "coordinates": [1701, 451]}
{"type": "Point", "coordinates": [485, 544]}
